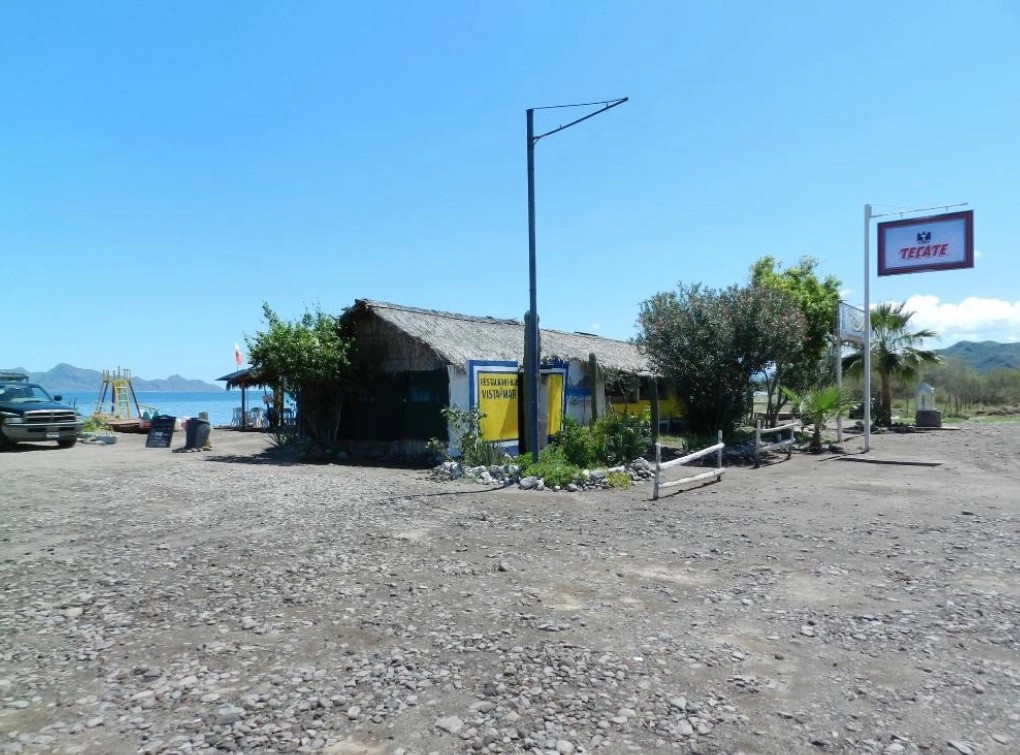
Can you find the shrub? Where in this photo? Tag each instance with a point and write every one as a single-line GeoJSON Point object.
{"type": "Point", "coordinates": [618, 480]}
{"type": "Point", "coordinates": [552, 466]}
{"type": "Point", "coordinates": [96, 424]}
{"type": "Point", "coordinates": [464, 426]}
{"type": "Point", "coordinates": [623, 438]}
{"type": "Point", "coordinates": [580, 444]}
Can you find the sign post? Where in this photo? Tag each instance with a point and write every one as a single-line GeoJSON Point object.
{"type": "Point", "coordinates": [912, 245]}
{"type": "Point", "coordinates": [867, 329]}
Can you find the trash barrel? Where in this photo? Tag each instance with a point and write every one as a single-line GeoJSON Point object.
{"type": "Point", "coordinates": [196, 433]}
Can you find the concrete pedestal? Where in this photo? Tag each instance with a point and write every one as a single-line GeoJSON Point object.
{"type": "Point", "coordinates": [928, 418]}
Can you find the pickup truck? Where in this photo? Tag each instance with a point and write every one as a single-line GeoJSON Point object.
{"type": "Point", "coordinates": [28, 413]}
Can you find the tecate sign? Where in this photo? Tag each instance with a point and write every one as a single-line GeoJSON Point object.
{"type": "Point", "coordinates": [940, 242]}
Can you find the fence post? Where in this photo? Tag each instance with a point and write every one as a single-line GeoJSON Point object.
{"type": "Point", "coordinates": [658, 471]}
{"type": "Point", "coordinates": [655, 408]}
{"type": "Point", "coordinates": [718, 457]}
{"type": "Point", "coordinates": [789, 448]}
{"type": "Point", "coordinates": [757, 443]}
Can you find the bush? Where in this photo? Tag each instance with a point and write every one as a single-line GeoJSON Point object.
{"type": "Point", "coordinates": [552, 466]}
{"type": "Point", "coordinates": [618, 480]}
{"type": "Point", "coordinates": [96, 424]}
{"type": "Point", "coordinates": [623, 438]}
{"type": "Point", "coordinates": [464, 426]}
{"type": "Point", "coordinates": [580, 445]}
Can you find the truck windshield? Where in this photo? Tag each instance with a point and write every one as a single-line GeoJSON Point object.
{"type": "Point", "coordinates": [22, 392]}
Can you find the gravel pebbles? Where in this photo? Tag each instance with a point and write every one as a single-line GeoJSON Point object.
{"type": "Point", "coordinates": [228, 601]}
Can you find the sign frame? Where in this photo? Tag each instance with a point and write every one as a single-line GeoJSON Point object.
{"type": "Point", "coordinates": [161, 431]}
{"type": "Point", "coordinates": [966, 216]}
{"type": "Point", "coordinates": [851, 322]}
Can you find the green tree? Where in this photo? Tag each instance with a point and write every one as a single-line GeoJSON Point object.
{"type": "Point", "coordinates": [817, 299]}
{"type": "Point", "coordinates": [895, 353]}
{"type": "Point", "coordinates": [818, 406]}
{"type": "Point", "coordinates": [311, 360]}
{"type": "Point", "coordinates": [709, 343]}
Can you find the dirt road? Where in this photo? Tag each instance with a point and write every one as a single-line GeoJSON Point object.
{"type": "Point", "coordinates": [153, 601]}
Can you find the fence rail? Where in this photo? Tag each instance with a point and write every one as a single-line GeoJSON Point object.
{"type": "Point", "coordinates": [716, 473]}
{"type": "Point", "coordinates": [782, 443]}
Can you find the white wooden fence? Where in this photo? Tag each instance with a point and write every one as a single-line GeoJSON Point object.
{"type": "Point", "coordinates": [709, 475]}
{"type": "Point", "coordinates": [786, 443]}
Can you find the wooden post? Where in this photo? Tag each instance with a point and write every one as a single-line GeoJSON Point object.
{"type": "Point", "coordinates": [530, 431]}
{"type": "Point", "coordinates": [593, 372]}
{"type": "Point", "coordinates": [658, 471]}
{"type": "Point", "coordinates": [757, 443]}
{"type": "Point", "coordinates": [718, 461]}
{"type": "Point", "coordinates": [653, 381]}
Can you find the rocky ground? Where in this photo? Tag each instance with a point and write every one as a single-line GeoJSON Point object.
{"type": "Point", "coordinates": [162, 602]}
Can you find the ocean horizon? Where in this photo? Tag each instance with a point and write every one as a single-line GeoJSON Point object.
{"type": "Point", "coordinates": [181, 404]}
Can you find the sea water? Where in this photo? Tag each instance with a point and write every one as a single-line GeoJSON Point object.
{"type": "Point", "coordinates": [180, 404]}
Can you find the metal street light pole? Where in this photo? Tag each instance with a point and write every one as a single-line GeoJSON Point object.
{"type": "Point", "coordinates": [532, 378]}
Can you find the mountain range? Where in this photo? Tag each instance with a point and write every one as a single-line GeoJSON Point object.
{"type": "Point", "coordinates": [984, 356]}
{"type": "Point", "coordinates": [65, 378]}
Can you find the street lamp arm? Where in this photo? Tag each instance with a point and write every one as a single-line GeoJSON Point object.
{"type": "Point", "coordinates": [611, 104]}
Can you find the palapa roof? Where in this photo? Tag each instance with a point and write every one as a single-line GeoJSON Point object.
{"type": "Point", "coordinates": [243, 378]}
{"type": "Point", "coordinates": [459, 338]}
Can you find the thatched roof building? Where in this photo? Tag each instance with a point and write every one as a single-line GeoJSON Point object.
{"type": "Point", "coordinates": [416, 339]}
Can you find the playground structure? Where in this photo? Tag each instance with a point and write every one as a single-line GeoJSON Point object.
{"type": "Point", "coordinates": [118, 390]}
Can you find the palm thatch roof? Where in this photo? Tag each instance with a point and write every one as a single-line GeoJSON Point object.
{"type": "Point", "coordinates": [457, 339]}
{"type": "Point", "coordinates": [245, 378]}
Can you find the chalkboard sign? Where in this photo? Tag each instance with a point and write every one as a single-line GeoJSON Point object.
{"type": "Point", "coordinates": [161, 431]}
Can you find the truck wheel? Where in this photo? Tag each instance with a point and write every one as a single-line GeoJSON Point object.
{"type": "Point", "coordinates": [67, 443]}
{"type": "Point", "coordinates": [5, 444]}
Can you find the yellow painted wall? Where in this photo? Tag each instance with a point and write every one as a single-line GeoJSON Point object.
{"type": "Point", "coordinates": [554, 407]}
{"type": "Point", "coordinates": [669, 407]}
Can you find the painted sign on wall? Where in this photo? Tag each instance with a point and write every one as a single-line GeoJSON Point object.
{"type": "Point", "coordinates": [493, 390]}
{"type": "Point", "coordinates": [939, 242]}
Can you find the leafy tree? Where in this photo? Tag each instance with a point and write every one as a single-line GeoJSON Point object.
{"type": "Point", "coordinates": [311, 360]}
{"type": "Point", "coordinates": [817, 299]}
{"type": "Point", "coordinates": [818, 406]}
{"type": "Point", "coordinates": [895, 352]}
{"type": "Point", "coordinates": [709, 343]}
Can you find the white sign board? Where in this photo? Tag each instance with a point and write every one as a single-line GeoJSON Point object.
{"type": "Point", "coordinates": [939, 242]}
{"type": "Point", "coordinates": [851, 323]}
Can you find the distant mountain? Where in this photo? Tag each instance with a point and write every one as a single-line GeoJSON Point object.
{"type": "Point", "coordinates": [985, 356]}
{"type": "Point", "coordinates": [65, 378]}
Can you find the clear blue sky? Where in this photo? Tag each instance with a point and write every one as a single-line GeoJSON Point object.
{"type": "Point", "coordinates": [166, 168]}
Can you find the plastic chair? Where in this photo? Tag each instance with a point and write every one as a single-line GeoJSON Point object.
{"type": "Point", "coordinates": [255, 417]}
{"type": "Point", "coordinates": [236, 419]}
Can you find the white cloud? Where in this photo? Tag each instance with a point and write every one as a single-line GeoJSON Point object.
{"type": "Point", "coordinates": [596, 327]}
{"type": "Point", "coordinates": [973, 319]}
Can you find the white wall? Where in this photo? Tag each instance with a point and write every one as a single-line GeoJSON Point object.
{"type": "Point", "coordinates": [459, 396]}
{"type": "Point", "coordinates": [579, 407]}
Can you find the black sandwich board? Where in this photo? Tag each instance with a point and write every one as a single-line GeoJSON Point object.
{"type": "Point", "coordinates": [161, 432]}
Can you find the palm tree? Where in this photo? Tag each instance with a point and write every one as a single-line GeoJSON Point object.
{"type": "Point", "coordinates": [820, 405]}
{"type": "Point", "coordinates": [895, 352]}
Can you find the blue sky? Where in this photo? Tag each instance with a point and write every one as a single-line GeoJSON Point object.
{"type": "Point", "coordinates": [166, 168]}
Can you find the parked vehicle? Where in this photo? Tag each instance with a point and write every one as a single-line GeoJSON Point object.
{"type": "Point", "coordinates": [29, 414]}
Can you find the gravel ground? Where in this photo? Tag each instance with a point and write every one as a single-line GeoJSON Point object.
{"type": "Point", "coordinates": [162, 602]}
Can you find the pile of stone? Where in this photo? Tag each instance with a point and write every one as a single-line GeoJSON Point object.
{"type": "Point", "coordinates": [504, 475]}
{"type": "Point", "coordinates": [104, 439]}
